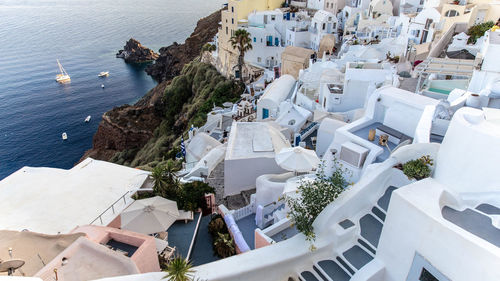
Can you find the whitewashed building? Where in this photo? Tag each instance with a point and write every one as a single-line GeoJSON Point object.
{"type": "Point", "coordinates": [275, 93]}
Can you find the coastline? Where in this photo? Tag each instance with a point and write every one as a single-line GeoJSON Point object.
{"type": "Point", "coordinates": [130, 127]}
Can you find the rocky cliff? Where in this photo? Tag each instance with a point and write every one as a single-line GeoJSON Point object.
{"type": "Point", "coordinates": [128, 128]}
{"type": "Point", "coordinates": [175, 56]}
{"type": "Point", "coordinates": [134, 52]}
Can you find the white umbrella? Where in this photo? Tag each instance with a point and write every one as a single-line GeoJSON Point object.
{"type": "Point", "coordinates": [150, 215]}
{"type": "Point", "coordinates": [297, 159]}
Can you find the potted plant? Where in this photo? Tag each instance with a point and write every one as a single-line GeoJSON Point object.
{"type": "Point", "coordinates": [417, 169]}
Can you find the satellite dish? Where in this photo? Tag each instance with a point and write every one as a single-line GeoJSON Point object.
{"type": "Point", "coordinates": [11, 265]}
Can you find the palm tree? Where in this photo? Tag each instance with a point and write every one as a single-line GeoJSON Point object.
{"type": "Point", "coordinates": [158, 176]}
{"type": "Point", "coordinates": [241, 40]}
{"type": "Point", "coordinates": [179, 269]}
{"type": "Point", "coordinates": [207, 48]}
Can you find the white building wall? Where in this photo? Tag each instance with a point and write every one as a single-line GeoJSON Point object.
{"type": "Point", "coordinates": [238, 177]}
{"type": "Point", "coordinates": [315, 4]}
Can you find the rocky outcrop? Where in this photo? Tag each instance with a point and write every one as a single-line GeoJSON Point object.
{"type": "Point", "coordinates": [175, 56]}
{"type": "Point", "coordinates": [128, 126]}
{"type": "Point", "coordinates": [134, 52]}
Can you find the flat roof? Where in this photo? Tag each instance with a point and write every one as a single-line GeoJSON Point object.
{"type": "Point", "coordinates": [28, 245]}
{"type": "Point", "coordinates": [52, 201]}
{"type": "Point", "coordinates": [254, 140]}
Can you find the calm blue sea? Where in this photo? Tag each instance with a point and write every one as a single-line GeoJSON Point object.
{"type": "Point", "coordinates": [84, 35]}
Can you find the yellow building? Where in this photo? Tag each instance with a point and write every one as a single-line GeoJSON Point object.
{"type": "Point", "coordinates": [470, 12]}
{"type": "Point", "coordinates": [237, 12]}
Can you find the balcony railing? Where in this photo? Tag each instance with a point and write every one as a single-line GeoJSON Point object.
{"type": "Point", "coordinates": [112, 207]}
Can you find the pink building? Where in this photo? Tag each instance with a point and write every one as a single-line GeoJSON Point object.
{"type": "Point", "coordinates": [145, 256]}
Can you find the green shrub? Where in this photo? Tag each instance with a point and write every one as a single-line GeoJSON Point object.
{"type": "Point", "coordinates": [478, 30]}
{"type": "Point", "coordinates": [217, 225]}
{"type": "Point", "coordinates": [418, 168]}
{"type": "Point", "coordinates": [224, 245]}
{"type": "Point", "coordinates": [313, 197]}
{"type": "Point", "coordinates": [190, 196]}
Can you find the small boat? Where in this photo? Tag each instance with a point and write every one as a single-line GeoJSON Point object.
{"type": "Point", "coordinates": [63, 77]}
{"type": "Point", "coordinates": [103, 74]}
{"type": "Point", "coordinates": [64, 136]}
{"type": "Point", "coordinates": [87, 119]}
{"type": "Point", "coordinates": [102, 86]}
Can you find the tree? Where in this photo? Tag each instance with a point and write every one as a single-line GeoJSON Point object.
{"type": "Point", "coordinates": [158, 175]}
{"type": "Point", "coordinates": [166, 184]}
{"type": "Point", "coordinates": [241, 40]}
{"type": "Point", "coordinates": [179, 269]}
{"type": "Point", "coordinates": [207, 48]}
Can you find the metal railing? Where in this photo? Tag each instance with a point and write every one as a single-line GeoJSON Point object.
{"type": "Point", "coordinates": [112, 207]}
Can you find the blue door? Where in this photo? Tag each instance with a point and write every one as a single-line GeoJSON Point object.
{"type": "Point", "coordinates": [288, 16]}
{"type": "Point", "coordinates": [265, 113]}
{"type": "Point", "coordinates": [297, 140]}
{"type": "Point", "coordinates": [276, 41]}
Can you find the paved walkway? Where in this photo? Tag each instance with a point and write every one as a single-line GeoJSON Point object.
{"type": "Point", "coordinates": [180, 235]}
{"type": "Point", "coordinates": [202, 250]}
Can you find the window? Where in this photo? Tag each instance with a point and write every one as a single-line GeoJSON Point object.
{"type": "Point", "coordinates": [273, 17]}
{"type": "Point", "coordinates": [427, 276]}
{"type": "Point", "coordinates": [232, 9]}
{"type": "Point", "coordinates": [428, 23]}
{"type": "Point", "coordinates": [422, 270]}
{"type": "Point", "coordinates": [324, 25]}
{"type": "Point", "coordinates": [255, 39]}
{"type": "Point", "coordinates": [422, 2]}
{"type": "Point", "coordinates": [226, 30]}
{"type": "Point", "coordinates": [232, 20]}
{"type": "Point", "coordinates": [451, 13]}
{"type": "Point", "coordinates": [259, 59]}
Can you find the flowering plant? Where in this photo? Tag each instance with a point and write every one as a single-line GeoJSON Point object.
{"type": "Point", "coordinates": [314, 196]}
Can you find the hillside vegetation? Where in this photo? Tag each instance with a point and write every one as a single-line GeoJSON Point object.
{"type": "Point", "coordinates": [187, 100]}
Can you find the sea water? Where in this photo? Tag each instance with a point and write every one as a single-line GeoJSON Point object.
{"type": "Point", "coordinates": [85, 36]}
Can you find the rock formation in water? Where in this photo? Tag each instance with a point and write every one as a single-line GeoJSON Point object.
{"type": "Point", "coordinates": [175, 56]}
{"type": "Point", "coordinates": [134, 52]}
{"type": "Point", "coordinates": [129, 127]}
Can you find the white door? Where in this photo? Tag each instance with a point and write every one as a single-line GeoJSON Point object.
{"type": "Point", "coordinates": [480, 16]}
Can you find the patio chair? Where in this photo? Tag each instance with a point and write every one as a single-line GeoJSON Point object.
{"type": "Point", "coordinates": [168, 252]}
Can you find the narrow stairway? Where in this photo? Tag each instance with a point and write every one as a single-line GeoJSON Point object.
{"type": "Point", "coordinates": [343, 267]}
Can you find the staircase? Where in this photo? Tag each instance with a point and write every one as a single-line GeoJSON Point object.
{"type": "Point", "coordinates": [344, 266]}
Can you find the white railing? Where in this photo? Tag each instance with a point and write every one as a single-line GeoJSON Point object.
{"type": "Point", "coordinates": [244, 212]}
{"type": "Point", "coordinates": [112, 207]}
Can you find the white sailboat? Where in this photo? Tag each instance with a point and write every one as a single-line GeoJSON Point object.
{"type": "Point", "coordinates": [64, 136]}
{"type": "Point", "coordinates": [87, 119]}
{"type": "Point", "coordinates": [63, 77]}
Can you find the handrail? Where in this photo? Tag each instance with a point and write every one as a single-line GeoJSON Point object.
{"type": "Point", "coordinates": [112, 207]}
